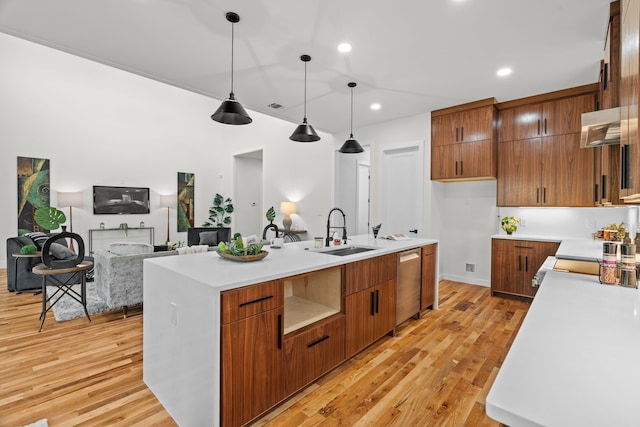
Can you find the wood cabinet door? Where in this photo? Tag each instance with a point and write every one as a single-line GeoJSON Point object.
{"type": "Point", "coordinates": [443, 130]}
{"type": "Point", "coordinates": [563, 116]}
{"type": "Point", "coordinates": [519, 172]}
{"type": "Point", "coordinates": [567, 172]}
{"type": "Point", "coordinates": [364, 274]}
{"type": "Point", "coordinates": [505, 274]}
{"type": "Point", "coordinates": [428, 289]}
{"type": "Point", "coordinates": [475, 160]}
{"type": "Point", "coordinates": [252, 366]}
{"type": "Point", "coordinates": [443, 162]}
{"type": "Point", "coordinates": [385, 309]}
{"type": "Point", "coordinates": [359, 317]}
{"type": "Point", "coordinates": [476, 125]}
{"type": "Point", "coordinates": [523, 122]}
{"type": "Point", "coordinates": [629, 93]}
{"type": "Point", "coordinates": [310, 354]}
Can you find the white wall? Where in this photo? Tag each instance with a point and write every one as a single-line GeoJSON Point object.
{"type": "Point", "coordinates": [102, 126]}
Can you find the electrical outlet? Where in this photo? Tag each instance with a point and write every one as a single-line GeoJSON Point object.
{"type": "Point", "coordinates": [591, 223]}
{"type": "Point", "coordinates": [174, 314]}
{"type": "Point", "coordinates": [523, 222]}
{"type": "Point", "coordinates": [470, 267]}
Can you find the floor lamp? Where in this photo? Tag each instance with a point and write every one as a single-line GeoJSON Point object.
{"type": "Point", "coordinates": [70, 200]}
{"type": "Point", "coordinates": [167, 202]}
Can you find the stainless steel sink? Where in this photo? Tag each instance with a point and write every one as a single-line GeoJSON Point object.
{"type": "Point", "coordinates": [350, 250]}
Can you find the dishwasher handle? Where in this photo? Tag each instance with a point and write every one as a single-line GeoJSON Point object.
{"type": "Point", "coordinates": [409, 255]}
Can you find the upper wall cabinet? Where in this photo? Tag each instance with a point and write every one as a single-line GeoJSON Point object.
{"type": "Point", "coordinates": [550, 118]}
{"type": "Point", "coordinates": [540, 162]}
{"type": "Point", "coordinates": [463, 142]}
{"type": "Point", "coordinates": [629, 95]}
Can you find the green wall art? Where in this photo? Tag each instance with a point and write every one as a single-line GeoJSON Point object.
{"type": "Point", "coordinates": [185, 200]}
{"type": "Point", "coordinates": [33, 192]}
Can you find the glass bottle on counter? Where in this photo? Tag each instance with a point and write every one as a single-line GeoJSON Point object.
{"type": "Point", "coordinates": [628, 263]}
{"type": "Point", "coordinates": [609, 268]}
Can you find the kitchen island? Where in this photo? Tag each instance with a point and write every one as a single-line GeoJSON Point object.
{"type": "Point", "coordinates": [574, 361]}
{"type": "Point", "coordinates": [183, 309]}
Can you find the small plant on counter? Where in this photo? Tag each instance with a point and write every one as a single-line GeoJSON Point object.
{"type": "Point", "coordinates": [236, 247]}
{"type": "Point", "coordinates": [509, 224]}
{"type": "Point", "coordinates": [271, 215]}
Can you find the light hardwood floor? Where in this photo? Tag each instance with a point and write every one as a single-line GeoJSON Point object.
{"type": "Point", "coordinates": [435, 371]}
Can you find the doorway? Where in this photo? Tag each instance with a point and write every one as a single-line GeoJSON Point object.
{"type": "Point", "coordinates": [363, 211]}
{"type": "Point", "coordinates": [402, 190]}
{"type": "Point", "coordinates": [248, 193]}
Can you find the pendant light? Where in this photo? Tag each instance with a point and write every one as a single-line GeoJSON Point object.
{"type": "Point", "coordinates": [231, 111]}
{"type": "Point", "coordinates": [305, 132]}
{"type": "Point", "coordinates": [351, 146]}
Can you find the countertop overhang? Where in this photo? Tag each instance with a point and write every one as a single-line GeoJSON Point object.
{"type": "Point", "coordinates": [292, 259]}
{"type": "Point", "coordinates": [575, 360]}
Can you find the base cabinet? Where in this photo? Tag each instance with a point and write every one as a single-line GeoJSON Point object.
{"type": "Point", "coordinates": [252, 351]}
{"type": "Point", "coordinates": [252, 367]}
{"type": "Point", "coordinates": [428, 290]}
{"type": "Point", "coordinates": [515, 262]}
{"type": "Point", "coordinates": [371, 314]}
{"type": "Point", "coordinates": [312, 353]}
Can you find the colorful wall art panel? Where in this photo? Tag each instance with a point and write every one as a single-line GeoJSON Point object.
{"type": "Point", "coordinates": [185, 200]}
{"type": "Point", "coordinates": [33, 192]}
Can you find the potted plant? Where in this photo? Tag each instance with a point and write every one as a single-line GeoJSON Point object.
{"type": "Point", "coordinates": [509, 224]}
{"type": "Point", "coordinates": [219, 212]}
{"type": "Point", "coordinates": [49, 218]}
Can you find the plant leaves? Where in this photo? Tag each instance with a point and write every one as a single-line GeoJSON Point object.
{"type": "Point", "coordinates": [49, 217]}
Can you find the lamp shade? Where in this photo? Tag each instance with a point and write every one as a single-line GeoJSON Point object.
{"type": "Point", "coordinates": [288, 208]}
{"type": "Point", "coordinates": [231, 112]}
{"type": "Point", "coordinates": [166, 201]}
{"type": "Point", "coordinates": [304, 133]}
{"type": "Point", "coordinates": [69, 199]}
{"type": "Point", "coordinates": [351, 146]}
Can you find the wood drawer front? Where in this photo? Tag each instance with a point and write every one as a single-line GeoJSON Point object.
{"type": "Point", "coordinates": [251, 300]}
{"type": "Point", "coordinates": [370, 272]}
{"type": "Point", "coordinates": [312, 353]}
{"type": "Point", "coordinates": [514, 245]}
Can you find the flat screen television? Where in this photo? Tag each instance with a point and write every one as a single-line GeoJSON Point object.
{"type": "Point", "coordinates": [120, 200]}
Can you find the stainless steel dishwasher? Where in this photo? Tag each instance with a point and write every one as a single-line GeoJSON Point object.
{"type": "Point", "coordinates": [408, 286]}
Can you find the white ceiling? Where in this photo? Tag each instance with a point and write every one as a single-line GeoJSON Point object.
{"type": "Point", "coordinates": [411, 56]}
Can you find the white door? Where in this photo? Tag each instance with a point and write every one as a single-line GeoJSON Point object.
{"type": "Point", "coordinates": [402, 191]}
{"type": "Point", "coordinates": [362, 205]}
{"type": "Point", "coordinates": [248, 212]}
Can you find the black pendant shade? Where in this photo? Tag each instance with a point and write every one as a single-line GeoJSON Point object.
{"type": "Point", "coordinates": [231, 112]}
{"type": "Point", "coordinates": [351, 146]}
{"type": "Point", "coordinates": [305, 132]}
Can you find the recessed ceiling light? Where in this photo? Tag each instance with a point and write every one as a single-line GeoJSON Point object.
{"type": "Point", "coordinates": [375, 106]}
{"type": "Point", "coordinates": [344, 47]}
{"type": "Point", "coordinates": [504, 71]}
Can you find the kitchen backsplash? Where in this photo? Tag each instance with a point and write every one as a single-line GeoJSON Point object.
{"type": "Point", "coordinates": [569, 222]}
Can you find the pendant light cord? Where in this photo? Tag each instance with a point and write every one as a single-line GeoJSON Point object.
{"type": "Point", "coordinates": [232, 25]}
{"type": "Point", "coordinates": [305, 92]}
{"type": "Point", "coordinates": [351, 113]}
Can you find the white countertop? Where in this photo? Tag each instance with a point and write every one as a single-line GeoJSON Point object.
{"type": "Point", "coordinates": [580, 249]}
{"type": "Point", "coordinates": [575, 360]}
{"type": "Point", "coordinates": [533, 238]}
{"type": "Point", "coordinates": [293, 258]}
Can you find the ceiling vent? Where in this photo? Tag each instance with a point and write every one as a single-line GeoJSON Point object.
{"type": "Point", "coordinates": [275, 106]}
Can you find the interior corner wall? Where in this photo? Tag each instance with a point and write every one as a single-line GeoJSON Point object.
{"type": "Point", "coordinates": [461, 215]}
{"type": "Point", "coordinates": [103, 126]}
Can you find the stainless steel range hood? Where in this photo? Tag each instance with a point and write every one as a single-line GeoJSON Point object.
{"type": "Point", "coordinates": [600, 128]}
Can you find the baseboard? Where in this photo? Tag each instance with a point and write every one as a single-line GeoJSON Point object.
{"type": "Point", "coordinates": [466, 279]}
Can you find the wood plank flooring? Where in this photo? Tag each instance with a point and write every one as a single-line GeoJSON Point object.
{"type": "Point", "coordinates": [436, 371]}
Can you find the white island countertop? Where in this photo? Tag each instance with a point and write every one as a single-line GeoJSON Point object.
{"type": "Point", "coordinates": [292, 259]}
{"type": "Point", "coordinates": [575, 360]}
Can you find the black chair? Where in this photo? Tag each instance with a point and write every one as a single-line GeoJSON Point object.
{"type": "Point", "coordinates": [194, 236]}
